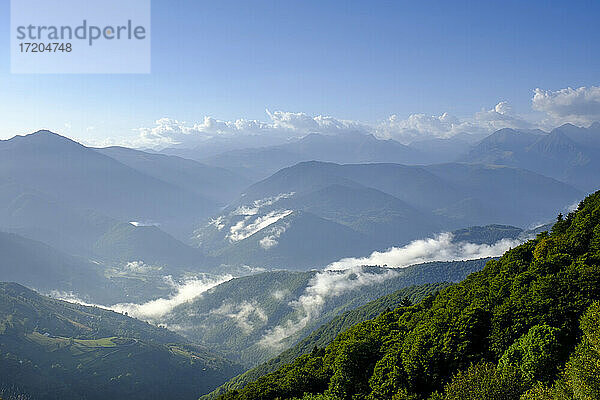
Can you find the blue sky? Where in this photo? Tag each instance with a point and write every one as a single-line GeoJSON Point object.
{"type": "Point", "coordinates": [354, 60]}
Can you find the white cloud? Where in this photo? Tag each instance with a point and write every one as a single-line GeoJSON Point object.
{"type": "Point", "coordinates": [185, 292]}
{"type": "Point", "coordinates": [422, 126]}
{"type": "Point", "coordinates": [324, 285]}
{"type": "Point", "coordinates": [304, 123]}
{"type": "Point", "coordinates": [243, 229]}
{"type": "Point", "coordinates": [577, 106]}
{"type": "Point", "coordinates": [218, 222]}
{"type": "Point", "coordinates": [280, 294]}
{"type": "Point", "coordinates": [140, 267]}
{"type": "Point", "coordinates": [258, 204]}
{"type": "Point", "coordinates": [349, 274]}
{"type": "Point", "coordinates": [271, 240]}
{"type": "Point", "coordinates": [418, 126]}
{"type": "Point", "coordinates": [143, 223]}
{"type": "Point", "coordinates": [501, 116]}
{"type": "Point", "coordinates": [169, 132]}
{"type": "Point", "coordinates": [440, 248]}
{"type": "Point", "coordinates": [73, 298]}
{"type": "Point", "coordinates": [243, 314]}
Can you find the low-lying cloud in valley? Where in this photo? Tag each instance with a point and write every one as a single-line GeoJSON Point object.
{"type": "Point", "coordinates": [349, 274]}
{"type": "Point", "coordinates": [244, 314]}
{"type": "Point", "coordinates": [440, 248]}
{"type": "Point", "coordinates": [257, 205]}
{"type": "Point", "coordinates": [186, 291]}
{"type": "Point", "coordinates": [323, 286]}
{"type": "Point", "coordinates": [336, 279]}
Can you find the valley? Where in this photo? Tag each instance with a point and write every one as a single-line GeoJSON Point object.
{"type": "Point", "coordinates": [226, 277]}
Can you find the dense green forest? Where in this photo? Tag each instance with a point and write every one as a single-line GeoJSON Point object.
{"type": "Point", "coordinates": [527, 326]}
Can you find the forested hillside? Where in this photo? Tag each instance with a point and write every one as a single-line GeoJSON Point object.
{"type": "Point", "coordinates": [236, 316]}
{"type": "Point", "coordinates": [50, 349]}
{"type": "Point", "coordinates": [505, 332]}
{"type": "Point", "coordinates": [326, 333]}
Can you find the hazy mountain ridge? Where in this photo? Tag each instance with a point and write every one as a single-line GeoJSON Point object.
{"type": "Point", "coordinates": [388, 204]}
{"type": "Point", "coordinates": [37, 265]}
{"type": "Point", "coordinates": [567, 153]}
{"type": "Point", "coordinates": [304, 216]}
{"type": "Point", "coordinates": [218, 184]}
{"type": "Point", "coordinates": [367, 206]}
{"type": "Point", "coordinates": [259, 163]}
{"type": "Point", "coordinates": [298, 241]}
{"type": "Point", "coordinates": [127, 242]}
{"type": "Point", "coordinates": [52, 271]}
{"type": "Point", "coordinates": [84, 179]}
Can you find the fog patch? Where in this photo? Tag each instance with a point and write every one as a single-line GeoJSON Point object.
{"type": "Point", "coordinates": [140, 267]}
{"type": "Point", "coordinates": [243, 314]}
{"type": "Point", "coordinates": [271, 240]}
{"type": "Point", "coordinates": [280, 294]}
{"type": "Point", "coordinates": [71, 297]}
{"type": "Point", "coordinates": [218, 222]}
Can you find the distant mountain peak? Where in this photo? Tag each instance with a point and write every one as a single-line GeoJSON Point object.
{"type": "Point", "coordinates": [569, 126]}
{"type": "Point", "coordinates": [47, 134]}
{"type": "Point", "coordinates": [42, 139]}
{"type": "Point", "coordinates": [506, 138]}
{"type": "Point", "coordinates": [558, 138]}
{"type": "Point", "coordinates": [44, 131]}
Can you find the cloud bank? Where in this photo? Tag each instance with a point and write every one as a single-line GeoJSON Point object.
{"type": "Point", "coordinates": [420, 126]}
{"type": "Point", "coordinates": [439, 248]}
{"type": "Point", "coordinates": [281, 126]}
{"type": "Point", "coordinates": [258, 204]}
{"type": "Point", "coordinates": [579, 106]}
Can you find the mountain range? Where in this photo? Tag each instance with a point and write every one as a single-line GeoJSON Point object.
{"type": "Point", "coordinates": [275, 258]}
{"type": "Point", "coordinates": [47, 178]}
{"type": "Point", "coordinates": [567, 153]}
{"type": "Point", "coordinates": [362, 207]}
{"type": "Point", "coordinates": [116, 205]}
